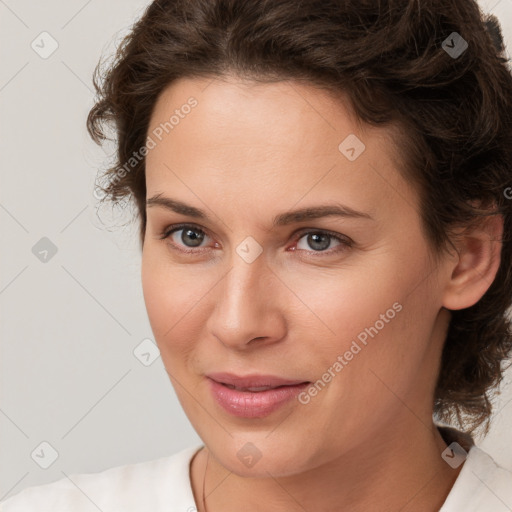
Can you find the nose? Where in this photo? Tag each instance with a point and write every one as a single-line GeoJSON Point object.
{"type": "Point", "coordinates": [247, 311]}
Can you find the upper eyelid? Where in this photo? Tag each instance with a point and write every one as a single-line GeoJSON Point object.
{"type": "Point", "coordinates": [177, 227]}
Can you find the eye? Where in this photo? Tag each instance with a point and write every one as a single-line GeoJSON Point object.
{"type": "Point", "coordinates": [188, 238]}
{"type": "Point", "coordinates": [191, 236]}
{"type": "Point", "coordinates": [319, 241]}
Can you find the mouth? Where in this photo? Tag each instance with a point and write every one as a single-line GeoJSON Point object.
{"type": "Point", "coordinates": [253, 396]}
{"type": "Point", "coordinates": [253, 389]}
{"type": "Point", "coordinates": [254, 382]}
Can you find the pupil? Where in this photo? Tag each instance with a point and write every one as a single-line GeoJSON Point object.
{"type": "Point", "coordinates": [196, 240]}
{"type": "Point", "coordinates": [313, 239]}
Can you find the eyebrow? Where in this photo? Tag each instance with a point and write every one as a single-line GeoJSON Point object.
{"type": "Point", "coordinates": [300, 215]}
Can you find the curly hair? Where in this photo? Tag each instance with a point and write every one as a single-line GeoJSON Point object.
{"type": "Point", "coordinates": [392, 59]}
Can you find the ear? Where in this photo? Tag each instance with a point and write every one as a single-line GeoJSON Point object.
{"type": "Point", "coordinates": [474, 267]}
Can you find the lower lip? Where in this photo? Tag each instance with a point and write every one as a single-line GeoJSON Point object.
{"type": "Point", "coordinates": [248, 404]}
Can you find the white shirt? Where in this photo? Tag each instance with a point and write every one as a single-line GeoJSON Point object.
{"type": "Point", "coordinates": [163, 485]}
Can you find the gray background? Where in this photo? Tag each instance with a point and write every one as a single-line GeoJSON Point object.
{"type": "Point", "coordinates": [69, 325]}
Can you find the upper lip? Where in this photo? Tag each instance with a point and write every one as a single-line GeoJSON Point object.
{"type": "Point", "coordinates": [253, 380]}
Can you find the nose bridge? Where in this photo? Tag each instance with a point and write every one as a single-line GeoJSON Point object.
{"type": "Point", "coordinates": [241, 295]}
{"type": "Point", "coordinates": [242, 310]}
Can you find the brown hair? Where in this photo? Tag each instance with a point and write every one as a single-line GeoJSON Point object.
{"type": "Point", "coordinates": [392, 59]}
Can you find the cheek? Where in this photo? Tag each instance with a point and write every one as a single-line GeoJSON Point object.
{"type": "Point", "coordinates": [172, 295]}
{"type": "Point", "coordinates": [376, 318]}
{"type": "Point", "coordinates": [344, 303]}
{"type": "Point", "coordinates": [386, 352]}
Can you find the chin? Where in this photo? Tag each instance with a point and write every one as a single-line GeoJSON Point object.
{"type": "Point", "coordinates": [261, 456]}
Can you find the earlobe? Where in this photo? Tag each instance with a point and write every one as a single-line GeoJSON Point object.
{"type": "Point", "coordinates": [476, 265]}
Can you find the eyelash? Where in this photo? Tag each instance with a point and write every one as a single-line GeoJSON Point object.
{"type": "Point", "coordinates": [345, 243]}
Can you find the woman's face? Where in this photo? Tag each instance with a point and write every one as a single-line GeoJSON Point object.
{"type": "Point", "coordinates": [249, 288]}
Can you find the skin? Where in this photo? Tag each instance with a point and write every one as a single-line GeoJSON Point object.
{"type": "Point", "coordinates": [246, 153]}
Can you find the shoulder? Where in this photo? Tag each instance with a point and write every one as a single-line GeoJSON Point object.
{"type": "Point", "coordinates": [482, 486]}
{"type": "Point", "coordinates": [153, 485]}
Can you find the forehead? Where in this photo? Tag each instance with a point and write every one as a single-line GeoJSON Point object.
{"type": "Point", "coordinates": [250, 139]}
{"type": "Point", "coordinates": [279, 114]}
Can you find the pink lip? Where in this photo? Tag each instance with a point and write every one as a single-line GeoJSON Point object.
{"type": "Point", "coordinates": [253, 404]}
{"type": "Point", "coordinates": [254, 380]}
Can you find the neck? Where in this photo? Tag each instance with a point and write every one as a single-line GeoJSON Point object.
{"type": "Point", "coordinates": [398, 470]}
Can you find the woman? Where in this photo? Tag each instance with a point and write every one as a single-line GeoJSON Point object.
{"type": "Point", "coordinates": [323, 191]}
